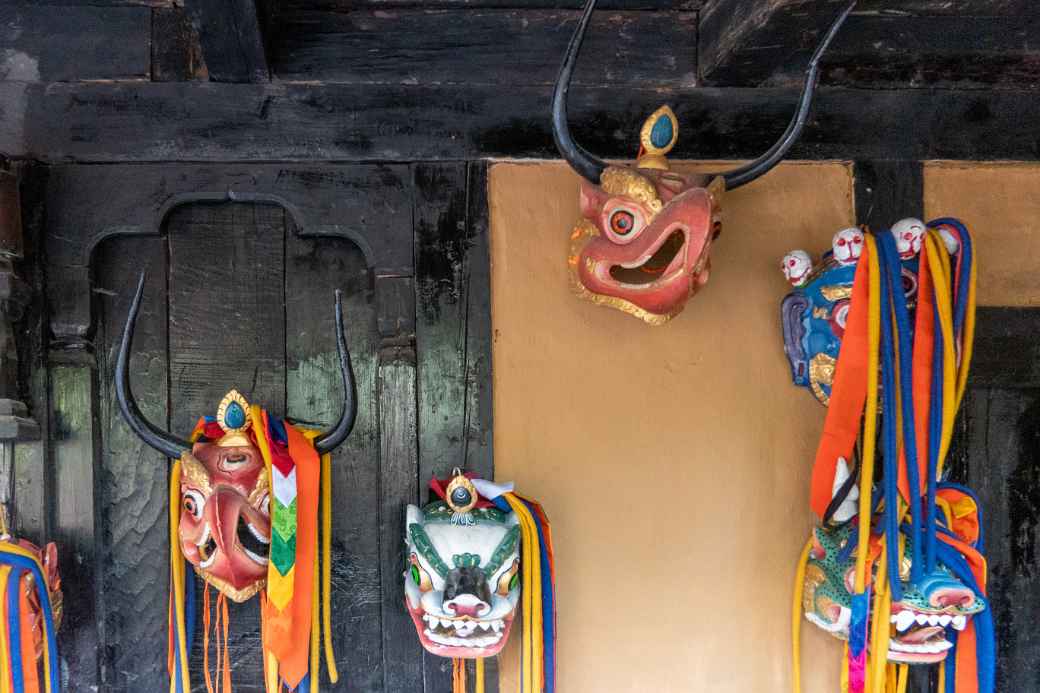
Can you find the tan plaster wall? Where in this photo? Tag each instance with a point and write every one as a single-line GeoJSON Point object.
{"type": "Point", "coordinates": [673, 461]}
{"type": "Point", "coordinates": [1000, 203]}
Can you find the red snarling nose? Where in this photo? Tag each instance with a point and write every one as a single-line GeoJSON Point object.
{"type": "Point", "coordinates": [952, 596]}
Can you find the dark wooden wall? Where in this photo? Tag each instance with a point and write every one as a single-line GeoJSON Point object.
{"type": "Point", "coordinates": [255, 154]}
{"type": "Point", "coordinates": [239, 294]}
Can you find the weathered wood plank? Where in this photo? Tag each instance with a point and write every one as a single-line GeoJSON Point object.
{"type": "Point", "coordinates": [1003, 434]}
{"type": "Point", "coordinates": [314, 269]}
{"type": "Point", "coordinates": [232, 43]}
{"type": "Point", "coordinates": [979, 8]}
{"type": "Point", "coordinates": [73, 396]}
{"type": "Point", "coordinates": [190, 121]}
{"type": "Point", "coordinates": [75, 43]}
{"type": "Point", "coordinates": [514, 47]}
{"type": "Point", "coordinates": [227, 330]}
{"type": "Point", "coordinates": [746, 41]}
{"type": "Point", "coordinates": [399, 469]}
{"type": "Point", "coordinates": [478, 428]}
{"type": "Point", "coordinates": [1007, 352]}
{"type": "Point", "coordinates": [34, 477]}
{"type": "Point", "coordinates": [347, 5]}
{"type": "Point", "coordinates": [133, 489]}
{"type": "Point", "coordinates": [441, 242]}
{"type": "Point", "coordinates": [947, 51]}
{"type": "Point", "coordinates": [887, 191]}
{"type": "Point", "coordinates": [176, 52]}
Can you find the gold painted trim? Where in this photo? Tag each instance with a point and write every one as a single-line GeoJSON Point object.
{"type": "Point", "coordinates": [836, 293]}
{"type": "Point", "coordinates": [621, 180]}
{"type": "Point", "coordinates": [225, 588]}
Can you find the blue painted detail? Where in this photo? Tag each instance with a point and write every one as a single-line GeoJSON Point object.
{"type": "Point", "coordinates": [662, 132]}
{"type": "Point", "coordinates": [234, 416]}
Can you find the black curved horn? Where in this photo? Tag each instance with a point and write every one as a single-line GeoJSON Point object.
{"type": "Point", "coordinates": [164, 442]}
{"type": "Point", "coordinates": [328, 441]}
{"type": "Point", "coordinates": [763, 164]}
{"type": "Point", "coordinates": [583, 163]}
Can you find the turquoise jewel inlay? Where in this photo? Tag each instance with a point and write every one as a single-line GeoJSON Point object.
{"type": "Point", "coordinates": [235, 416]}
{"type": "Point", "coordinates": [662, 132]}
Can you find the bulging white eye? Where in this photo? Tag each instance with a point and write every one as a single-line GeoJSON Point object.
{"type": "Point", "coordinates": [265, 505]}
{"type": "Point", "coordinates": [193, 503]}
{"type": "Point", "coordinates": [623, 224]}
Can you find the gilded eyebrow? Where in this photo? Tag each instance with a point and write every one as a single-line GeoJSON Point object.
{"type": "Point", "coordinates": [502, 552]}
{"type": "Point", "coordinates": [194, 473]}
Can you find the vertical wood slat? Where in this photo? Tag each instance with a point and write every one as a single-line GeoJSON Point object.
{"type": "Point", "coordinates": [33, 473]}
{"type": "Point", "coordinates": [133, 479]}
{"type": "Point", "coordinates": [399, 469]}
{"type": "Point", "coordinates": [314, 269]}
{"type": "Point", "coordinates": [887, 191]}
{"type": "Point", "coordinates": [453, 338]}
{"type": "Point", "coordinates": [227, 330]}
{"type": "Point", "coordinates": [72, 396]}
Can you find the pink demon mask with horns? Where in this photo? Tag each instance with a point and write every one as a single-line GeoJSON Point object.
{"type": "Point", "coordinates": [642, 245]}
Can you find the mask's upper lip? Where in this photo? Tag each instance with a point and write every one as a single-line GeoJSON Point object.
{"type": "Point", "coordinates": [205, 536]}
{"type": "Point", "coordinates": [649, 252]}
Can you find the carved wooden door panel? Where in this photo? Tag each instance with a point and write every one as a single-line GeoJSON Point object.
{"type": "Point", "coordinates": [241, 267]}
{"type": "Point", "coordinates": [998, 455]}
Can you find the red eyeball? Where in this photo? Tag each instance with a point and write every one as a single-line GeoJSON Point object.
{"type": "Point", "coordinates": [841, 241]}
{"type": "Point", "coordinates": [908, 236]}
{"type": "Point", "coordinates": [791, 263]}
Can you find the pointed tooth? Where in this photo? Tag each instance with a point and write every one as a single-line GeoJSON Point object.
{"type": "Point", "coordinates": [933, 620]}
{"type": "Point", "coordinates": [904, 620]}
{"type": "Point", "coordinates": [484, 625]}
{"type": "Point", "coordinates": [945, 619]}
{"type": "Point", "coordinates": [921, 619]}
{"type": "Point", "coordinates": [960, 622]}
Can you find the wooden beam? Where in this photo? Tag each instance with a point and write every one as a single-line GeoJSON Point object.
{"type": "Point", "coordinates": [73, 43]}
{"type": "Point", "coordinates": [757, 42]}
{"type": "Point", "coordinates": [512, 47]}
{"type": "Point", "coordinates": [232, 43]}
{"type": "Point", "coordinates": [189, 121]}
{"type": "Point", "coordinates": [746, 41]}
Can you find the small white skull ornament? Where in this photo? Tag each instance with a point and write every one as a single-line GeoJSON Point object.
{"type": "Point", "coordinates": [847, 246]}
{"type": "Point", "coordinates": [796, 267]}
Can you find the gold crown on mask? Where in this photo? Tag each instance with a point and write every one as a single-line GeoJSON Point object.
{"type": "Point", "coordinates": [658, 136]}
{"type": "Point", "coordinates": [233, 418]}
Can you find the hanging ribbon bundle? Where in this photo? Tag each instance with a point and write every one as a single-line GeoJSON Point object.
{"type": "Point", "coordinates": [895, 566]}
{"type": "Point", "coordinates": [287, 578]}
{"type": "Point", "coordinates": [250, 502]}
{"type": "Point", "coordinates": [476, 557]}
{"type": "Point", "coordinates": [30, 609]}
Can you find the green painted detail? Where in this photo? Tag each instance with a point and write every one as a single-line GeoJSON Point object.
{"type": "Point", "coordinates": [415, 575]}
{"type": "Point", "coordinates": [283, 519]}
{"type": "Point", "coordinates": [505, 550]}
{"type": "Point", "coordinates": [514, 582]}
{"type": "Point", "coordinates": [466, 560]}
{"type": "Point", "coordinates": [424, 546]}
{"type": "Point", "coordinates": [283, 553]}
{"type": "Point", "coordinates": [438, 511]}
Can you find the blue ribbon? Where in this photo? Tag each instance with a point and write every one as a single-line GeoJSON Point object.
{"type": "Point", "coordinates": [888, 418]}
{"type": "Point", "coordinates": [27, 564]}
{"type": "Point", "coordinates": [14, 630]}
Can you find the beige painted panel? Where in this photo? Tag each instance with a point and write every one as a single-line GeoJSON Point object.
{"type": "Point", "coordinates": [1000, 203]}
{"type": "Point", "coordinates": [673, 461]}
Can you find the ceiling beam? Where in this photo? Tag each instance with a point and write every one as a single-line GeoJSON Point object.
{"type": "Point", "coordinates": [746, 41]}
{"type": "Point", "coordinates": [232, 43]}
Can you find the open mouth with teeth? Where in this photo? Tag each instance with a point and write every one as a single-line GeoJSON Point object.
{"type": "Point", "coordinates": [920, 636]}
{"type": "Point", "coordinates": [253, 543]}
{"type": "Point", "coordinates": [653, 268]}
{"type": "Point", "coordinates": [461, 637]}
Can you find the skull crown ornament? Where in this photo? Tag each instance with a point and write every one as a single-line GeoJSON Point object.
{"type": "Point", "coordinates": [642, 245]}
